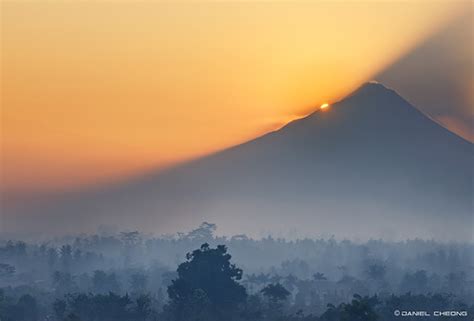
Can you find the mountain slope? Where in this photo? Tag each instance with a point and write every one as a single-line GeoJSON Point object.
{"type": "Point", "coordinates": [371, 165]}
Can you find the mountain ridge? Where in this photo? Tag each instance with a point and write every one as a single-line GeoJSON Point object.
{"type": "Point", "coordinates": [371, 157]}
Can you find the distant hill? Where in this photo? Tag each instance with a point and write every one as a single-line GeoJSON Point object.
{"type": "Point", "coordinates": [371, 165]}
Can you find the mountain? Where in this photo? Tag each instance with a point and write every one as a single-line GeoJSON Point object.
{"type": "Point", "coordinates": [369, 166]}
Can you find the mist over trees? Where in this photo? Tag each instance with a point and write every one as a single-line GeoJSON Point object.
{"type": "Point", "coordinates": [135, 277]}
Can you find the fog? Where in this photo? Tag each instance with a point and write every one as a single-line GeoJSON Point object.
{"type": "Point", "coordinates": [370, 166]}
{"type": "Point", "coordinates": [314, 272]}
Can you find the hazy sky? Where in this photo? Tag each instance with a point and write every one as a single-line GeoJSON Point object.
{"type": "Point", "coordinates": [99, 90]}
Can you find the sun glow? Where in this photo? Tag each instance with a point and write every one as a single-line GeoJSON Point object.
{"type": "Point", "coordinates": [148, 84]}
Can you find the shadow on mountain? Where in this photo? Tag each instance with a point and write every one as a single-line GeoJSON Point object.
{"type": "Point", "coordinates": [371, 165]}
{"type": "Point", "coordinates": [436, 76]}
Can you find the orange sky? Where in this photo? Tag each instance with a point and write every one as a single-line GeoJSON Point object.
{"type": "Point", "coordinates": [93, 91]}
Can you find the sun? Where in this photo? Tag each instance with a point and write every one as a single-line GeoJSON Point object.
{"type": "Point", "coordinates": [324, 106]}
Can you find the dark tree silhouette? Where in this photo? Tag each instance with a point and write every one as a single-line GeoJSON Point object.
{"type": "Point", "coordinates": [319, 276]}
{"type": "Point", "coordinates": [204, 232]}
{"type": "Point", "coordinates": [25, 309]}
{"type": "Point", "coordinates": [275, 292]}
{"type": "Point", "coordinates": [360, 309]}
{"type": "Point", "coordinates": [276, 295]}
{"type": "Point", "coordinates": [102, 307]}
{"type": "Point", "coordinates": [104, 283]}
{"type": "Point", "coordinates": [376, 271]}
{"type": "Point", "coordinates": [6, 270]}
{"type": "Point", "coordinates": [206, 288]}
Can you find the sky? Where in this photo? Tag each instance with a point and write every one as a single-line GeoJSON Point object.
{"type": "Point", "coordinates": [100, 91]}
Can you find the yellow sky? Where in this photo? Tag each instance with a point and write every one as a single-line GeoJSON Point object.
{"type": "Point", "coordinates": [99, 90]}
